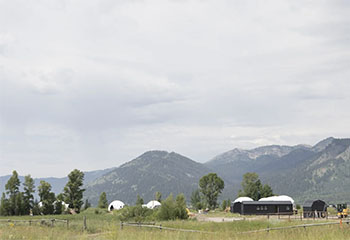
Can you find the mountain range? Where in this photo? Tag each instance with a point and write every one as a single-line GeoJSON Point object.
{"type": "Point", "coordinates": [304, 172]}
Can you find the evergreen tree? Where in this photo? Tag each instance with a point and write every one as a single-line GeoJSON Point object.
{"type": "Point", "coordinates": [158, 196]}
{"type": "Point", "coordinates": [87, 204]}
{"type": "Point", "coordinates": [19, 209]}
{"type": "Point", "coordinates": [180, 207]}
{"type": "Point", "coordinates": [211, 186]}
{"type": "Point", "coordinates": [28, 197]}
{"type": "Point", "coordinates": [196, 200]}
{"type": "Point", "coordinates": [47, 198]}
{"type": "Point", "coordinates": [4, 206]}
{"type": "Point", "coordinates": [224, 205]}
{"type": "Point", "coordinates": [102, 202]}
{"type": "Point", "coordinates": [12, 189]}
{"type": "Point", "coordinates": [139, 200]}
{"type": "Point", "coordinates": [73, 191]}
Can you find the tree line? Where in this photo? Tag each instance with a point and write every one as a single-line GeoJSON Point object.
{"type": "Point", "coordinates": [14, 202]}
{"type": "Point", "coordinates": [211, 186]}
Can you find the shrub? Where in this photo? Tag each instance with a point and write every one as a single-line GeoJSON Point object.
{"type": "Point", "coordinates": [135, 213]}
{"type": "Point", "coordinates": [171, 210]}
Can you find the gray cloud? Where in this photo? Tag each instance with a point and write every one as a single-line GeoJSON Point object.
{"type": "Point", "coordinates": [92, 84]}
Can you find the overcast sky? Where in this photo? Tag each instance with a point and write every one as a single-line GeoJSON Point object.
{"type": "Point", "coordinates": [91, 84]}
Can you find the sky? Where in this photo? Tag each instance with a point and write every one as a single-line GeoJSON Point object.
{"type": "Point", "coordinates": [91, 84]}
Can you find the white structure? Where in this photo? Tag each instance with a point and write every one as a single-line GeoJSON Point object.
{"type": "Point", "coordinates": [243, 199]}
{"type": "Point", "coordinates": [65, 205]}
{"type": "Point", "coordinates": [115, 205]}
{"type": "Point", "coordinates": [152, 204]}
{"type": "Point", "coordinates": [278, 198]}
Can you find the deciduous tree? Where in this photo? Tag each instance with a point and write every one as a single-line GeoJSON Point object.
{"type": "Point", "coordinates": [211, 186]}
{"type": "Point", "coordinates": [73, 191]}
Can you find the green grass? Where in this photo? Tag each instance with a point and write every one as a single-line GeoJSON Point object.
{"type": "Point", "coordinates": [106, 226]}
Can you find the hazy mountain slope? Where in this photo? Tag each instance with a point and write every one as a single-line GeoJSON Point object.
{"type": "Point", "coordinates": [151, 172]}
{"type": "Point", "coordinates": [304, 172]}
{"type": "Point", "coordinates": [233, 164]}
{"type": "Point", "coordinates": [325, 174]}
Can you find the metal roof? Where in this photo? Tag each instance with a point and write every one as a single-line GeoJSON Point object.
{"type": "Point", "coordinates": [309, 203]}
{"type": "Point", "coordinates": [267, 203]}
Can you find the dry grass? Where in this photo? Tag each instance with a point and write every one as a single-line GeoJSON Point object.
{"type": "Point", "coordinates": [106, 226]}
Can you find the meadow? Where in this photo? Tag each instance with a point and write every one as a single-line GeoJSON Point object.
{"type": "Point", "coordinates": [107, 226]}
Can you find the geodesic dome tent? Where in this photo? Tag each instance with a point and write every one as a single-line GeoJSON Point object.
{"type": "Point", "coordinates": [278, 199]}
{"type": "Point", "coordinates": [115, 205]}
{"type": "Point", "coordinates": [152, 204]}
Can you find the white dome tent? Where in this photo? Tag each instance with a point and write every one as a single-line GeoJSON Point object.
{"type": "Point", "coordinates": [243, 199]}
{"type": "Point", "coordinates": [115, 205]}
{"type": "Point", "coordinates": [278, 198]}
{"type": "Point", "coordinates": [152, 204]}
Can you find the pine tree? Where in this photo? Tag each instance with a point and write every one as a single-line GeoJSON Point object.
{"type": "Point", "coordinates": [196, 200]}
{"type": "Point", "coordinates": [180, 207]}
{"type": "Point", "coordinates": [73, 191]}
{"type": "Point", "coordinates": [12, 189]}
{"type": "Point", "coordinates": [158, 196]}
{"type": "Point", "coordinates": [139, 200]}
{"type": "Point", "coordinates": [103, 203]}
{"type": "Point", "coordinates": [4, 206]}
{"type": "Point", "coordinates": [87, 204]}
{"type": "Point", "coordinates": [28, 197]}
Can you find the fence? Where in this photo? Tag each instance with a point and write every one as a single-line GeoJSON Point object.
{"type": "Point", "coordinates": [302, 215]}
{"type": "Point", "coordinates": [47, 222]}
{"type": "Point", "coordinates": [160, 227]}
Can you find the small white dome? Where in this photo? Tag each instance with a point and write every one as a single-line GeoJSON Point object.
{"type": "Point", "coordinates": [153, 204]}
{"type": "Point", "coordinates": [115, 205]}
{"type": "Point", "coordinates": [243, 199]}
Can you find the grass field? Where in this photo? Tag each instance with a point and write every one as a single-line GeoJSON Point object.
{"type": "Point", "coordinates": [106, 226]}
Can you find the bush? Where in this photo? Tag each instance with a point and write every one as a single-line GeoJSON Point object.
{"type": "Point", "coordinates": [135, 213]}
{"type": "Point", "coordinates": [171, 210]}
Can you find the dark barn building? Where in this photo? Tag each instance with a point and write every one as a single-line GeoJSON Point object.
{"type": "Point", "coordinates": [236, 207]}
{"type": "Point", "coordinates": [314, 208]}
{"type": "Point", "coordinates": [262, 207]}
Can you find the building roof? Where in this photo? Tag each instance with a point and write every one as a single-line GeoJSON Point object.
{"type": "Point", "coordinates": [309, 203]}
{"type": "Point", "coordinates": [243, 199]}
{"type": "Point", "coordinates": [267, 203]}
{"type": "Point", "coordinates": [278, 198]}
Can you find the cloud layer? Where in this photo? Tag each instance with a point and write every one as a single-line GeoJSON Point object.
{"type": "Point", "coordinates": [92, 84]}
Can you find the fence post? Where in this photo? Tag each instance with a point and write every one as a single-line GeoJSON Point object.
{"type": "Point", "coordinates": [121, 225]}
{"type": "Point", "coordinates": [30, 222]}
{"type": "Point", "coordinates": [301, 217]}
{"type": "Point", "coordinates": [160, 227]}
{"type": "Point", "coordinates": [52, 222]}
{"type": "Point", "coordinates": [85, 227]}
{"type": "Point", "coordinates": [67, 223]}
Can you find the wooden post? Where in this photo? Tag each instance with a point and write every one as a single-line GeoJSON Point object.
{"type": "Point", "coordinates": [160, 227]}
{"type": "Point", "coordinates": [52, 222]}
{"type": "Point", "coordinates": [30, 222]}
{"type": "Point", "coordinates": [121, 225]}
{"type": "Point", "coordinates": [301, 217]}
{"type": "Point", "coordinates": [268, 216]}
{"type": "Point", "coordinates": [67, 223]}
{"type": "Point", "coordinates": [85, 227]}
